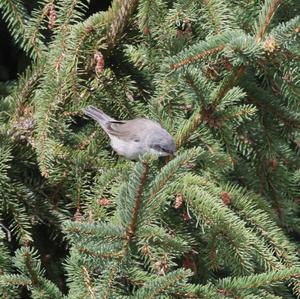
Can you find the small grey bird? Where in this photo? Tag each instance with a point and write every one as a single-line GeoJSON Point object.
{"type": "Point", "coordinates": [133, 138]}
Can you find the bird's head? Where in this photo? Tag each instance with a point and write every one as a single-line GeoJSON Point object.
{"type": "Point", "coordinates": [163, 145]}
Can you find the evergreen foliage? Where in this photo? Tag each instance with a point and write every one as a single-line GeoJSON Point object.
{"type": "Point", "coordinates": [219, 220]}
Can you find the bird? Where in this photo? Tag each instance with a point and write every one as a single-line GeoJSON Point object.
{"type": "Point", "coordinates": [134, 138]}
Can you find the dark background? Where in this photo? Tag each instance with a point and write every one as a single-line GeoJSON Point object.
{"type": "Point", "coordinates": [12, 59]}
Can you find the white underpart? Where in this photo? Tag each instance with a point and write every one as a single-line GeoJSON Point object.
{"type": "Point", "coordinates": [132, 150]}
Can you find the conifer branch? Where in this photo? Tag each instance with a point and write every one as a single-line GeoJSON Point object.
{"type": "Point", "coordinates": [28, 263]}
{"type": "Point", "coordinates": [166, 173]}
{"type": "Point", "coordinates": [199, 56]}
{"type": "Point", "coordinates": [67, 14]}
{"type": "Point", "coordinates": [188, 295]}
{"type": "Point", "coordinates": [288, 121]}
{"type": "Point", "coordinates": [278, 248]}
{"type": "Point", "coordinates": [210, 9]}
{"type": "Point", "coordinates": [267, 16]}
{"type": "Point", "coordinates": [120, 18]}
{"type": "Point", "coordinates": [13, 280]}
{"type": "Point", "coordinates": [27, 88]}
{"type": "Point", "coordinates": [32, 272]}
{"type": "Point", "coordinates": [111, 277]}
{"type": "Point", "coordinates": [138, 202]}
{"type": "Point", "coordinates": [16, 16]}
{"type": "Point", "coordinates": [228, 83]}
{"type": "Point", "coordinates": [191, 125]}
{"type": "Point", "coordinates": [20, 224]}
{"type": "Point", "coordinates": [39, 21]}
{"type": "Point", "coordinates": [188, 128]}
{"type": "Point", "coordinates": [130, 230]}
{"type": "Point", "coordinates": [219, 14]}
{"type": "Point", "coordinates": [259, 280]}
{"type": "Point", "coordinates": [88, 282]}
{"type": "Point", "coordinates": [102, 255]}
{"type": "Point", "coordinates": [152, 289]}
{"type": "Point", "coordinates": [191, 82]}
{"type": "Point", "coordinates": [18, 11]}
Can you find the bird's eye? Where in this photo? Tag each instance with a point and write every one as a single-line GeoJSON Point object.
{"type": "Point", "coordinates": [157, 147]}
{"type": "Point", "coordinates": [160, 148]}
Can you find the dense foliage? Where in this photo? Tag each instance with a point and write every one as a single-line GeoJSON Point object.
{"type": "Point", "coordinates": [219, 220]}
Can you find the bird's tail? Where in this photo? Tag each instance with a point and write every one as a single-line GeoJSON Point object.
{"type": "Point", "coordinates": [97, 115]}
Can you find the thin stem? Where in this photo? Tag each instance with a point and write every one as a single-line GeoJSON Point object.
{"type": "Point", "coordinates": [274, 5]}
{"type": "Point", "coordinates": [191, 59]}
{"type": "Point", "coordinates": [195, 121]}
{"type": "Point", "coordinates": [138, 200]}
{"type": "Point", "coordinates": [228, 84]}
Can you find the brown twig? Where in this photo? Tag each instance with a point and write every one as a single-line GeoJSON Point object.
{"type": "Point", "coordinates": [138, 200]}
{"type": "Point", "coordinates": [32, 273]}
{"type": "Point", "coordinates": [88, 282]}
{"type": "Point", "coordinates": [274, 5]}
{"type": "Point", "coordinates": [191, 59]}
{"type": "Point", "coordinates": [228, 84]}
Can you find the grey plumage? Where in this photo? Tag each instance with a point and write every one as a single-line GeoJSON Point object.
{"type": "Point", "coordinates": [133, 138]}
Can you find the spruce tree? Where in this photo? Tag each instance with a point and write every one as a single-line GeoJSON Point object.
{"type": "Point", "coordinates": [219, 220]}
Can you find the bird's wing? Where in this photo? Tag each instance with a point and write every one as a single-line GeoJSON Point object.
{"type": "Point", "coordinates": [123, 130]}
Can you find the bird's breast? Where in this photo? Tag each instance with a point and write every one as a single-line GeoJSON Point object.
{"type": "Point", "coordinates": [129, 149]}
